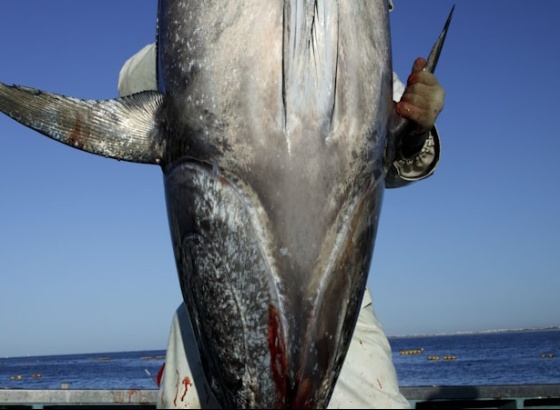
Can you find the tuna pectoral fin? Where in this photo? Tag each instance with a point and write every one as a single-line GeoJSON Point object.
{"type": "Point", "coordinates": [123, 128]}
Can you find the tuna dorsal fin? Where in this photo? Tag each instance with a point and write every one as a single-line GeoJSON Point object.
{"type": "Point", "coordinates": [123, 128]}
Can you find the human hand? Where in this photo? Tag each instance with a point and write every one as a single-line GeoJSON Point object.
{"type": "Point", "coordinates": [423, 97]}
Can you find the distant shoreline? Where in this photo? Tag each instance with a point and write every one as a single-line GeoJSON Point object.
{"type": "Point", "coordinates": [479, 332]}
{"type": "Point", "coordinates": [411, 336]}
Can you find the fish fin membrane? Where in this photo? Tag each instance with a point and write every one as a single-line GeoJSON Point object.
{"type": "Point", "coordinates": [123, 128]}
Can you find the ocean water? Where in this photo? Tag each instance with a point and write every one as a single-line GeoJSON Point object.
{"type": "Point", "coordinates": [124, 370]}
{"type": "Point", "coordinates": [509, 358]}
{"type": "Point", "coordinates": [522, 357]}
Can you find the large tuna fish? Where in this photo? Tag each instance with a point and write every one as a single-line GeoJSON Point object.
{"type": "Point", "coordinates": [270, 127]}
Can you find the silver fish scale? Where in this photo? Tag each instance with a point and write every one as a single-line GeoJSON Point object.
{"type": "Point", "coordinates": [225, 267]}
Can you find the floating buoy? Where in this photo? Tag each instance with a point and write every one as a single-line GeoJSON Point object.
{"type": "Point", "coordinates": [433, 357]}
{"type": "Point", "coordinates": [411, 351]}
{"type": "Point", "coordinates": [450, 357]}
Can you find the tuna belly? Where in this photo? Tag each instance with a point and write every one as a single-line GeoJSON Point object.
{"type": "Point", "coordinates": [264, 342]}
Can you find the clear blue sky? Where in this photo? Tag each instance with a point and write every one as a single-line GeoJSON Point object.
{"type": "Point", "coordinates": [86, 263]}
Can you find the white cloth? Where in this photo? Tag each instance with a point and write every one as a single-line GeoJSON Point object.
{"type": "Point", "coordinates": [367, 379]}
{"type": "Point", "coordinates": [139, 72]}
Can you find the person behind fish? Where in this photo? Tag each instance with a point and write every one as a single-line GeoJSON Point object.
{"type": "Point", "coordinates": [368, 378]}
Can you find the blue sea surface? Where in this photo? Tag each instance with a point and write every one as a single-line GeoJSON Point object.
{"type": "Point", "coordinates": [510, 358]}
{"type": "Point", "coordinates": [125, 370]}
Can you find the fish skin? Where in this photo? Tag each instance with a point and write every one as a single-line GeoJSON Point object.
{"type": "Point", "coordinates": [270, 126]}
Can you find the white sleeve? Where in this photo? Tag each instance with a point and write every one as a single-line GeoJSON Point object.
{"type": "Point", "coordinates": [139, 72]}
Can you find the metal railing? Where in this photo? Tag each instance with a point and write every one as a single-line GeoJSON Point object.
{"type": "Point", "coordinates": [544, 396]}
{"type": "Point", "coordinates": [50, 399]}
{"type": "Point", "coordinates": [436, 397]}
